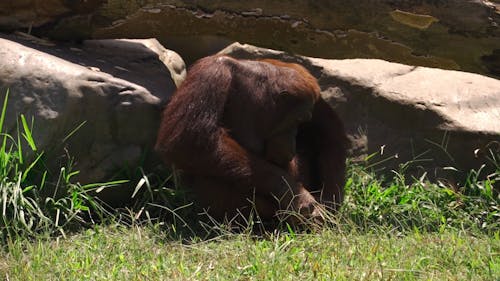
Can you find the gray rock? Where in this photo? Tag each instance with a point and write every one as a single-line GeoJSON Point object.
{"type": "Point", "coordinates": [452, 34]}
{"type": "Point", "coordinates": [111, 90]}
{"type": "Point", "coordinates": [33, 13]}
{"type": "Point", "coordinates": [431, 117]}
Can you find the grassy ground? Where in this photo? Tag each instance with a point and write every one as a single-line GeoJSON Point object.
{"type": "Point", "coordinates": [387, 230]}
{"type": "Point", "coordinates": [140, 253]}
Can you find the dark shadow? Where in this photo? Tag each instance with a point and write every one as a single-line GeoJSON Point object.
{"type": "Point", "coordinates": [492, 62]}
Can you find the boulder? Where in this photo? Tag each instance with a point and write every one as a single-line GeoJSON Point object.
{"type": "Point", "coordinates": [427, 117]}
{"type": "Point", "coordinates": [455, 34]}
{"type": "Point", "coordinates": [27, 14]}
{"type": "Point", "coordinates": [99, 101]}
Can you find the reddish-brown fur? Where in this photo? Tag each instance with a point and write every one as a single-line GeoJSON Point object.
{"type": "Point", "coordinates": [219, 129]}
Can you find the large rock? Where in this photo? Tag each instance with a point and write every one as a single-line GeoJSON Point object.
{"type": "Point", "coordinates": [111, 90]}
{"type": "Point", "coordinates": [32, 13]}
{"type": "Point", "coordinates": [434, 118]}
{"type": "Point", "coordinates": [454, 34]}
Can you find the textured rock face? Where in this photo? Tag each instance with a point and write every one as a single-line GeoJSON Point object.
{"type": "Point", "coordinates": [454, 34]}
{"type": "Point", "coordinates": [433, 117]}
{"type": "Point", "coordinates": [33, 13]}
{"type": "Point", "coordinates": [112, 90]}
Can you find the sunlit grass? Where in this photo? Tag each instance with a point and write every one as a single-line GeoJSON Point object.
{"type": "Point", "coordinates": [140, 253]}
{"type": "Point", "coordinates": [30, 202]}
{"type": "Point", "coordinates": [422, 205]}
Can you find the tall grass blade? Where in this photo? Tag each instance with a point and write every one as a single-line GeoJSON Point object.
{"type": "Point", "coordinates": [28, 136]}
{"type": "Point", "coordinates": [3, 154]}
{"type": "Point", "coordinates": [98, 187]}
{"type": "Point", "coordinates": [4, 110]}
{"type": "Point", "coordinates": [30, 167]}
{"type": "Point", "coordinates": [73, 131]}
{"type": "Point", "coordinates": [19, 148]}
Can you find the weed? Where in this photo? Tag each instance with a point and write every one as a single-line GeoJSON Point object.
{"type": "Point", "coordinates": [372, 202]}
{"type": "Point", "coordinates": [25, 209]}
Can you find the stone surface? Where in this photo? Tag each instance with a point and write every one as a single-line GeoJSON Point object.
{"type": "Point", "coordinates": [454, 34]}
{"type": "Point", "coordinates": [33, 13]}
{"type": "Point", "coordinates": [432, 117]}
{"type": "Point", "coordinates": [111, 90]}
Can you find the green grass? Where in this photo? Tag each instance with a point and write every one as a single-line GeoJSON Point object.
{"type": "Point", "coordinates": [422, 205]}
{"type": "Point", "coordinates": [141, 253]}
{"type": "Point", "coordinates": [387, 230]}
{"type": "Point", "coordinates": [32, 201]}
